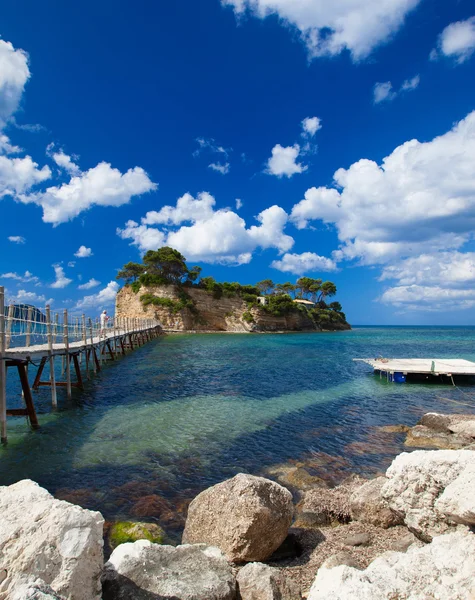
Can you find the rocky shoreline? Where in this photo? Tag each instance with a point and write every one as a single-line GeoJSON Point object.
{"type": "Point", "coordinates": [408, 533]}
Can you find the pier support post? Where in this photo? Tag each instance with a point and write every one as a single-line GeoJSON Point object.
{"type": "Point", "coordinates": [3, 372]}
{"type": "Point", "coordinates": [66, 348]}
{"type": "Point", "coordinates": [52, 378]}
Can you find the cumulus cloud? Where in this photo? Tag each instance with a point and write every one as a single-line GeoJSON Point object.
{"type": "Point", "coordinates": [14, 73]}
{"type": "Point", "coordinates": [456, 41]}
{"type": "Point", "coordinates": [283, 162]}
{"type": "Point", "coordinates": [307, 262]}
{"type": "Point", "coordinates": [238, 203]}
{"type": "Point", "coordinates": [19, 175]}
{"type": "Point", "coordinates": [24, 297]}
{"type": "Point", "coordinates": [89, 285]}
{"type": "Point", "coordinates": [220, 167]}
{"type": "Point", "coordinates": [16, 239]}
{"type": "Point", "coordinates": [310, 126]}
{"type": "Point", "coordinates": [412, 214]}
{"type": "Point", "coordinates": [83, 252]}
{"type": "Point", "coordinates": [210, 145]}
{"type": "Point", "coordinates": [329, 28]}
{"type": "Point", "coordinates": [101, 185]}
{"type": "Point", "coordinates": [429, 298]}
{"type": "Point", "coordinates": [26, 278]}
{"type": "Point", "coordinates": [65, 162]}
{"type": "Point", "coordinates": [61, 280]}
{"type": "Point", "coordinates": [383, 92]}
{"type": "Point", "coordinates": [213, 236]}
{"type": "Point", "coordinates": [103, 299]}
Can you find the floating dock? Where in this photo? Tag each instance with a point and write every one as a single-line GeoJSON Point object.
{"type": "Point", "coordinates": [396, 369]}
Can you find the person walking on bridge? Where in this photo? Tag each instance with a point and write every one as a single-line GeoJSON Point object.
{"type": "Point", "coordinates": [104, 319]}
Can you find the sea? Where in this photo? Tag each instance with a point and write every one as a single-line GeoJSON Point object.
{"type": "Point", "coordinates": [183, 412]}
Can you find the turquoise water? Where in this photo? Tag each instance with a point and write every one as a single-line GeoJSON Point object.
{"type": "Point", "coordinates": [184, 412]}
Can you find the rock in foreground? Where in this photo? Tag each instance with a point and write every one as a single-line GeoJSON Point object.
{"type": "Point", "coordinates": [444, 569]}
{"type": "Point", "coordinates": [257, 581]}
{"type": "Point", "coordinates": [48, 539]}
{"type": "Point", "coordinates": [142, 571]}
{"type": "Point", "coordinates": [432, 491]}
{"type": "Point", "coordinates": [368, 505]}
{"type": "Point", "coordinates": [246, 517]}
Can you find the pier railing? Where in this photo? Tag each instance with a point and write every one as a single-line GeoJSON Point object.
{"type": "Point", "coordinates": [28, 333]}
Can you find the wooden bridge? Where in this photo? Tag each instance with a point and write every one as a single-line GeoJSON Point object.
{"type": "Point", "coordinates": [29, 337]}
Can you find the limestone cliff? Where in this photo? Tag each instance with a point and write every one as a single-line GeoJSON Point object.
{"type": "Point", "coordinates": [209, 313]}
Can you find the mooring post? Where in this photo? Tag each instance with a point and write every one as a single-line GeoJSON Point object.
{"type": "Point", "coordinates": [29, 318]}
{"type": "Point", "coordinates": [66, 347]}
{"type": "Point", "coordinates": [11, 310]}
{"type": "Point", "coordinates": [84, 341]}
{"type": "Point", "coordinates": [49, 331]}
{"type": "Point", "coordinates": [92, 350]}
{"type": "Point", "coordinates": [3, 372]}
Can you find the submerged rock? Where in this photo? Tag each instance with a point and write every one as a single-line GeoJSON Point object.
{"type": "Point", "coordinates": [142, 571]}
{"type": "Point", "coordinates": [128, 531]}
{"type": "Point", "coordinates": [48, 539]}
{"type": "Point", "coordinates": [443, 569]}
{"type": "Point", "coordinates": [247, 517]}
{"type": "Point", "coordinates": [257, 581]}
{"type": "Point", "coordinates": [368, 506]}
{"type": "Point", "coordinates": [432, 491]}
{"type": "Point", "coordinates": [421, 436]}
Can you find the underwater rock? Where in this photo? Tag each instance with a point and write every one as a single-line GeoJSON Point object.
{"type": "Point", "coordinates": [421, 436]}
{"type": "Point", "coordinates": [123, 532]}
{"type": "Point", "coordinates": [295, 477]}
{"type": "Point", "coordinates": [443, 569]}
{"type": "Point", "coordinates": [143, 570]}
{"type": "Point", "coordinates": [432, 491]}
{"type": "Point", "coordinates": [368, 506]}
{"type": "Point", "coordinates": [257, 581]}
{"type": "Point", "coordinates": [45, 538]}
{"type": "Point", "coordinates": [394, 428]}
{"type": "Point", "coordinates": [247, 517]}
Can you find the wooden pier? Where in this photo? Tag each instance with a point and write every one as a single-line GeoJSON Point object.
{"type": "Point", "coordinates": [436, 367]}
{"type": "Point", "coordinates": [80, 343]}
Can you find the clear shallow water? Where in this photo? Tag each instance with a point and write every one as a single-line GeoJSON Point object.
{"type": "Point", "coordinates": [184, 412]}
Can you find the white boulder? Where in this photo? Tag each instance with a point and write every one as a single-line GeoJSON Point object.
{"type": "Point", "coordinates": [443, 570]}
{"type": "Point", "coordinates": [48, 539]}
{"type": "Point", "coordinates": [257, 581]}
{"type": "Point", "coordinates": [190, 572]}
{"type": "Point", "coordinates": [432, 490]}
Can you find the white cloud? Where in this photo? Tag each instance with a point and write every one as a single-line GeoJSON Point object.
{"type": "Point", "coordinates": [411, 84]}
{"type": "Point", "coordinates": [384, 91]}
{"type": "Point", "coordinates": [100, 186]}
{"type": "Point", "coordinates": [6, 147]}
{"type": "Point", "coordinates": [213, 236]}
{"type": "Point", "coordinates": [24, 297]}
{"type": "Point", "coordinates": [61, 280]}
{"type": "Point", "coordinates": [19, 175]}
{"type": "Point", "coordinates": [72, 263]}
{"type": "Point", "coordinates": [89, 285]}
{"type": "Point", "coordinates": [145, 238]}
{"type": "Point", "coordinates": [103, 299]}
{"type": "Point", "coordinates": [456, 41]}
{"type": "Point", "coordinates": [83, 252]}
{"type": "Point", "coordinates": [239, 203]}
{"type": "Point", "coordinates": [454, 269]}
{"type": "Point", "coordinates": [14, 73]}
{"type": "Point", "coordinates": [311, 125]}
{"type": "Point", "coordinates": [220, 168]}
{"type": "Point", "coordinates": [420, 199]}
{"type": "Point", "coordinates": [307, 262]}
{"type": "Point", "coordinates": [429, 298]}
{"type": "Point", "coordinates": [26, 278]}
{"type": "Point", "coordinates": [65, 162]}
{"type": "Point", "coordinates": [210, 145]}
{"type": "Point", "coordinates": [328, 28]}
{"type": "Point", "coordinates": [283, 161]}
{"type": "Point", "coordinates": [16, 239]}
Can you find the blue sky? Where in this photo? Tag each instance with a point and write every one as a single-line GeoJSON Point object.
{"type": "Point", "coordinates": [346, 135]}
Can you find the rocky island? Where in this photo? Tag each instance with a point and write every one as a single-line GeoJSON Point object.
{"type": "Point", "coordinates": [164, 288]}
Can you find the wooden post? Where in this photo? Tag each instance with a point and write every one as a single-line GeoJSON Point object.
{"type": "Point", "coordinates": [66, 347]}
{"type": "Point", "coordinates": [8, 336]}
{"type": "Point", "coordinates": [94, 362]}
{"type": "Point", "coordinates": [84, 340]}
{"type": "Point", "coordinates": [54, 399]}
{"type": "Point", "coordinates": [3, 371]}
{"type": "Point", "coordinates": [25, 386]}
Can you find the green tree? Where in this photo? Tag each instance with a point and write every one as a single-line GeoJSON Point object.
{"type": "Point", "coordinates": [266, 286]}
{"type": "Point", "coordinates": [130, 272]}
{"type": "Point", "coordinates": [327, 289]}
{"type": "Point", "coordinates": [193, 274]}
{"type": "Point", "coordinates": [285, 288]}
{"type": "Point", "coordinates": [336, 306]}
{"type": "Point", "coordinates": [167, 263]}
{"type": "Point", "coordinates": [308, 288]}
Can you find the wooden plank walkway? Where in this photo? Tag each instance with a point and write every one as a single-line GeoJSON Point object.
{"type": "Point", "coordinates": [77, 341]}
